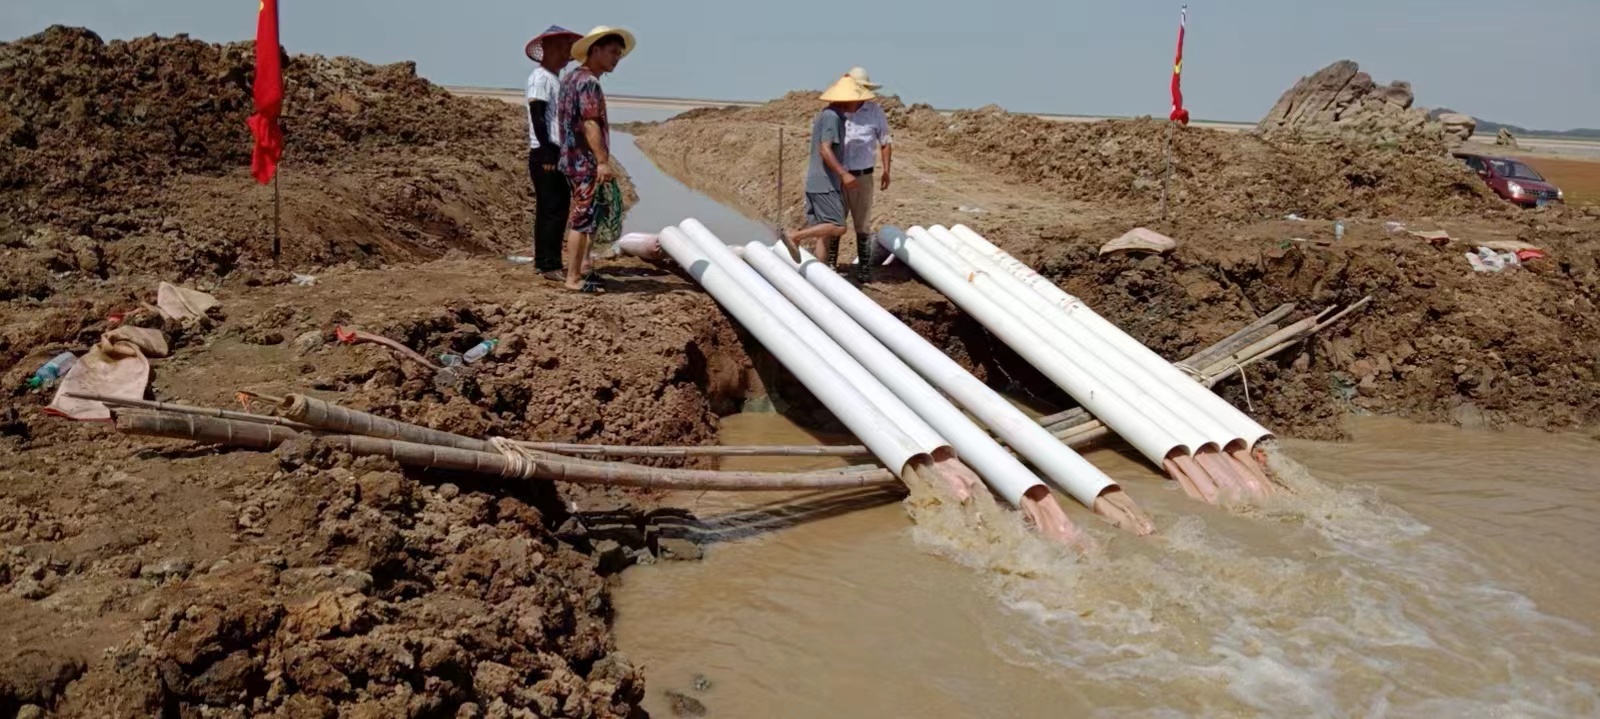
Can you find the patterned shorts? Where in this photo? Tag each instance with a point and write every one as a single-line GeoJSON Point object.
{"type": "Point", "coordinates": [584, 209]}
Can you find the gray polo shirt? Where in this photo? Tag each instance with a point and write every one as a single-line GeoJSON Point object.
{"type": "Point", "coordinates": [827, 127]}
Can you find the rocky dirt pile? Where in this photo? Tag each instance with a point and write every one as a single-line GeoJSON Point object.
{"type": "Point", "coordinates": [1438, 343]}
{"type": "Point", "coordinates": [1342, 101]}
{"type": "Point", "coordinates": [141, 148]}
{"type": "Point", "coordinates": [147, 577]}
{"type": "Point", "coordinates": [1221, 175]}
{"type": "Point", "coordinates": [307, 584]}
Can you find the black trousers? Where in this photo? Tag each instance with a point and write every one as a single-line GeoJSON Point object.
{"type": "Point", "coordinates": [552, 198]}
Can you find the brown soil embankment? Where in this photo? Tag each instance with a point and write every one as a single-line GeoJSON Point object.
{"type": "Point", "coordinates": [1438, 343]}
{"type": "Point", "coordinates": [152, 578]}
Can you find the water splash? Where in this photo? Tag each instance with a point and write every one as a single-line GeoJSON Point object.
{"type": "Point", "coordinates": [1325, 601]}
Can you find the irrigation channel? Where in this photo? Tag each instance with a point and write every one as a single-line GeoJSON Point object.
{"type": "Point", "coordinates": [1416, 571]}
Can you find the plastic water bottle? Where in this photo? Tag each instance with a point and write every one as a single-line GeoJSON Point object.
{"type": "Point", "coordinates": [480, 351]}
{"type": "Point", "coordinates": [1338, 231]}
{"type": "Point", "coordinates": [52, 370]}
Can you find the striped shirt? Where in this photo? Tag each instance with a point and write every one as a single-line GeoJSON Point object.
{"type": "Point", "coordinates": [864, 130]}
{"type": "Point", "coordinates": [545, 87]}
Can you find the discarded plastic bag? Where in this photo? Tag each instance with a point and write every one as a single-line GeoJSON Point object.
{"type": "Point", "coordinates": [1487, 260]}
{"type": "Point", "coordinates": [1140, 239]}
{"type": "Point", "coordinates": [181, 303]}
{"type": "Point", "coordinates": [115, 367]}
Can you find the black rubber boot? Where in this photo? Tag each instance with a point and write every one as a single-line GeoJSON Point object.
{"type": "Point", "coordinates": [865, 254]}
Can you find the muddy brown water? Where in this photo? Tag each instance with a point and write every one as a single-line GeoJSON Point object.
{"type": "Point", "coordinates": [1417, 571]}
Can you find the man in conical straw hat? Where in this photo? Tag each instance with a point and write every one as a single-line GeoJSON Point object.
{"type": "Point", "coordinates": [586, 144]}
{"type": "Point", "coordinates": [866, 137]}
{"type": "Point", "coordinates": [826, 179]}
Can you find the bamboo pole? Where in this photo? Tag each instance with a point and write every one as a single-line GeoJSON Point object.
{"type": "Point", "coordinates": [1217, 373]}
{"type": "Point", "coordinates": [613, 450]}
{"type": "Point", "coordinates": [191, 409]}
{"type": "Point", "coordinates": [333, 418]}
{"type": "Point", "coordinates": [1256, 330]}
{"type": "Point", "coordinates": [1237, 340]}
{"type": "Point", "coordinates": [252, 435]}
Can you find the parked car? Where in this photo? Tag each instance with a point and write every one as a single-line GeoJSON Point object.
{"type": "Point", "coordinates": [1513, 180]}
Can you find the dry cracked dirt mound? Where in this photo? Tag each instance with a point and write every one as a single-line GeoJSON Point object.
{"type": "Point", "coordinates": [1438, 343]}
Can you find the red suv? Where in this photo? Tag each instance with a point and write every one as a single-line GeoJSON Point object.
{"type": "Point", "coordinates": [1513, 180]}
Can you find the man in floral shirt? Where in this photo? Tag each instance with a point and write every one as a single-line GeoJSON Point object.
{"type": "Point", "coordinates": [586, 143]}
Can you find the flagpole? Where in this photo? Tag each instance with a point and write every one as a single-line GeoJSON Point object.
{"type": "Point", "coordinates": [277, 211]}
{"type": "Point", "coordinates": [1166, 151]}
{"type": "Point", "coordinates": [1179, 115]}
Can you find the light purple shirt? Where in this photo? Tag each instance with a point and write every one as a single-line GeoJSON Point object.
{"type": "Point", "coordinates": [864, 130]}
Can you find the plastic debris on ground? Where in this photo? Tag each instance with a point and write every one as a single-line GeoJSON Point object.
{"type": "Point", "coordinates": [1487, 260]}
{"type": "Point", "coordinates": [303, 280]}
{"type": "Point", "coordinates": [1140, 240]}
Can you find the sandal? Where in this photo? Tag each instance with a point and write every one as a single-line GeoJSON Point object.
{"type": "Point", "coordinates": [591, 288]}
{"type": "Point", "coordinates": [554, 275]}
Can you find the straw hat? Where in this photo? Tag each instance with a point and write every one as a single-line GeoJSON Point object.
{"type": "Point", "coordinates": [535, 47]}
{"type": "Point", "coordinates": [846, 90]}
{"type": "Point", "coordinates": [859, 74]}
{"type": "Point", "coordinates": [580, 50]}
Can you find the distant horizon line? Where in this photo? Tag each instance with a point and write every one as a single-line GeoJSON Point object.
{"type": "Point", "coordinates": [669, 102]}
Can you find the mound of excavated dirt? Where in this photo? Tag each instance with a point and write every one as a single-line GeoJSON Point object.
{"type": "Point", "coordinates": [149, 577]}
{"type": "Point", "coordinates": [1222, 175]}
{"type": "Point", "coordinates": [1219, 175]}
{"type": "Point", "coordinates": [1438, 343]}
{"type": "Point", "coordinates": [141, 149]}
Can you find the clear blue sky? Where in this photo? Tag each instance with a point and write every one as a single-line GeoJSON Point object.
{"type": "Point", "coordinates": [1068, 56]}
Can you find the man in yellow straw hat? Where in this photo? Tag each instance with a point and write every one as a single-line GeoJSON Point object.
{"type": "Point", "coordinates": [826, 179]}
{"type": "Point", "coordinates": [586, 145]}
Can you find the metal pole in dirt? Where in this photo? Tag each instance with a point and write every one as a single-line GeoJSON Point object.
{"type": "Point", "coordinates": [277, 245]}
{"type": "Point", "coordinates": [1166, 177]}
{"type": "Point", "coordinates": [777, 210]}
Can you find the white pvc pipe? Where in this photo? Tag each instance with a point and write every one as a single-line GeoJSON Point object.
{"type": "Point", "coordinates": [913, 425]}
{"type": "Point", "coordinates": [1154, 442]}
{"type": "Point", "coordinates": [1062, 466]}
{"type": "Point", "coordinates": [1087, 359]}
{"type": "Point", "coordinates": [1130, 380]}
{"type": "Point", "coordinates": [888, 442]}
{"type": "Point", "coordinates": [1008, 477]}
{"type": "Point", "coordinates": [1238, 423]}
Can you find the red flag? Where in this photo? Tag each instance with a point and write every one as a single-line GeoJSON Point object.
{"type": "Point", "coordinates": [1179, 114]}
{"type": "Point", "coordinates": [268, 95]}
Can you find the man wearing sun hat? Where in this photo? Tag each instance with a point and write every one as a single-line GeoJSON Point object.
{"type": "Point", "coordinates": [586, 143]}
{"type": "Point", "coordinates": [866, 135]}
{"type": "Point", "coordinates": [827, 181]}
{"type": "Point", "coordinates": [552, 50]}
